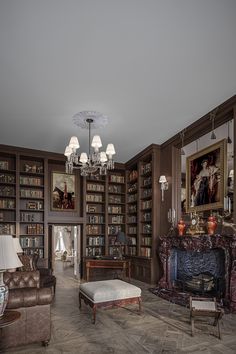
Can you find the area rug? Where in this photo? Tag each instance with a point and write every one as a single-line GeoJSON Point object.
{"type": "Point", "coordinates": [172, 296]}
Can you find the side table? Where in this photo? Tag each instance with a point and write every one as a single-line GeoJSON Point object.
{"type": "Point", "coordinates": [9, 318]}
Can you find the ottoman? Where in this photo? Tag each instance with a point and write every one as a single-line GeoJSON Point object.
{"type": "Point", "coordinates": [109, 293]}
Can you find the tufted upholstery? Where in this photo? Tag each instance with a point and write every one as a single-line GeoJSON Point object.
{"type": "Point", "coordinates": [22, 279]}
{"type": "Point", "coordinates": [34, 304]}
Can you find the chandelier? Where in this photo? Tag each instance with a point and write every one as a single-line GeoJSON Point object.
{"type": "Point", "coordinates": [94, 162]}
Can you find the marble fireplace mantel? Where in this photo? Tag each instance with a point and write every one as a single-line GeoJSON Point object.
{"type": "Point", "coordinates": [201, 243]}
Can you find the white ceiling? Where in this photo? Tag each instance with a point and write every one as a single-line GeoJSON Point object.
{"type": "Point", "coordinates": [151, 66]}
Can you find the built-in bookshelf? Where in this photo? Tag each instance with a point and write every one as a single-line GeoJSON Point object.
{"type": "Point", "coordinates": [132, 211]}
{"type": "Point", "coordinates": [7, 194]}
{"type": "Point", "coordinates": [95, 216]}
{"type": "Point", "coordinates": [115, 209]}
{"type": "Point", "coordinates": [146, 208]}
{"type": "Point", "coordinates": [31, 205]}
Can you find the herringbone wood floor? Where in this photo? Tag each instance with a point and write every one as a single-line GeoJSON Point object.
{"type": "Point", "coordinates": [162, 328]}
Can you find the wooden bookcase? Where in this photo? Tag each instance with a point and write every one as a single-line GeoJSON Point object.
{"type": "Point", "coordinates": [143, 213]}
{"type": "Point", "coordinates": [7, 194]}
{"type": "Point", "coordinates": [31, 205]}
{"type": "Point", "coordinates": [22, 200]}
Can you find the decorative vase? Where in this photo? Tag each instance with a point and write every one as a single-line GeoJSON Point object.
{"type": "Point", "coordinates": [181, 227]}
{"type": "Point", "coordinates": [211, 225]}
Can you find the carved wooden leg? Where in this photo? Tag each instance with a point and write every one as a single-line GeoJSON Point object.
{"type": "Point", "coordinates": [192, 326]}
{"type": "Point", "coordinates": [45, 343]}
{"type": "Point", "coordinates": [94, 313]}
{"type": "Point", "coordinates": [140, 305]}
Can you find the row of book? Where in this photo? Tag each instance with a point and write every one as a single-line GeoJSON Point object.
{"type": "Point", "coordinates": [132, 219]}
{"type": "Point", "coordinates": [115, 189]}
{"type": "Point", "coordinates": [95, 241]}
{"type": "Point", "coordinates": [113, 229]}
{"type": "Point", "coordinates": [7, 191]}
{"type": "Point", "coordinates": [95, 187]}
{"type": "Point", "coordinates": [93, 229]}
{"type": "Point", "coordinates": [116, 179]}
{"type": "Point", "coordinates": [33, 181]}
{"type": "Point", "coordinates": [145, 252]}
{"type": "Point", "coordinates": [147, 168]}
{"type": "Point", "coordinates": [7, 204]}
{"type": "Point", "coordinates": [146, 241]}
{"type": "Point", "coordinates": [7, 229]}
{"type": "Point", "coordinates": [31, 242]}
{"type": "Point", "coordinates": [116, 199]}
{"type": "Point", "coordinates": [146, 204]}
{"type": "Point", "coordinates": [132, 230]}
{"type": "Point", "coordinates": [34, 229]}
{"type": "Point", "coordinates": [117, 219]}
{"type": "Point", "coordinates": [93, 251]}
{"type": "Point", "coordinates": [31, 193]}
{"type": "Point", "coordinates": [7, 178]}
{"type": "Point", "coordinates": [96, 219]}
{"type": "Point", "coordinates": [114, 209]}
{"type": "Point", "coordinates": [31, 252]}
{"type": "Point", "coordinates": [30, 217]}
{"type": "Point", "coordinates": [132, 198]}
{"type": "Point", "coordinates": [93, 198]}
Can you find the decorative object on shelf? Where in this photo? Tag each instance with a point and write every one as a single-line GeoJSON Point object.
{"type": "Point", "coordinates": [95, 161]}
{"type": "Point", "coordinates": [212, 118]}
{"type": "Point", "coordinates": [8, 260]}
{"type": "Point", "coordinates": [63, 192]}
{"type": "Point", "coordinates": [171, 219]}
{"type": "Point", "coordinates": [211, 225]}
{"type": "Point", "coordinates": [205, 178]}
{"type": "Point", "coordinates": [164, 186]}
{"type": "Point", "coordinates": [181, 227]}
{"type": "Point", "coordinates": [182, 133]}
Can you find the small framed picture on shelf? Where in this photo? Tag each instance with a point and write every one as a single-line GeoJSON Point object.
{"type": "Point", "coordinates": [63, 192]}
{"type": "Point", "coordinates": [205, 182]}
{"type": "Point", "coordinates": [4, 165]}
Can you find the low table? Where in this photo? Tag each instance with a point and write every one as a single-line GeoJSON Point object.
{"type": "Point", "coordinates": [109, 293]}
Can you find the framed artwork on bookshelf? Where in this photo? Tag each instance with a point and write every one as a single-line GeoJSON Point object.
{"type": "Point", "coordinates": [63, 192]}
{"type": "Point", "coordinates": [205, 178]}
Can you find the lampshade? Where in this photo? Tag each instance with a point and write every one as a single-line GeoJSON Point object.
{"type": "Point", "coordinates": [83, 157]}
{"type": "Point", "coordinates": [231, 174]}
{"type": "Point", "coordinates": [110, 149]}
{"type": "Point", "coordinates": [68, 151]}
{"type": "Point", "coordinates": [103, 156]}
{"type": "Point", "coordinates": [8, 256]}
{"type": "Point", "coordinates": [121, 238]}
{"type": "Point", "coordinates": [17, 245]}
{"type": "Point", "coordinates": [74, 142]}
{"type": "Point", "coordinates": [162, 179]}
{"type": "Point", "coordinates": [96, 142]}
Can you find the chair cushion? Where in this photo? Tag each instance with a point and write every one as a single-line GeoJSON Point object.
{"type": "Point", "coordinates": [109, 290]}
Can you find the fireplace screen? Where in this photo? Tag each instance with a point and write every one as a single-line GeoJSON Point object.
{"type": "Point", "coordinates": [199, 272]}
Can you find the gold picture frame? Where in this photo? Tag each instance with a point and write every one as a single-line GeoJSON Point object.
{"type": "Point", "coordinates": [206, 178]}
{"type": "Point", "coordinates": [63, 192]}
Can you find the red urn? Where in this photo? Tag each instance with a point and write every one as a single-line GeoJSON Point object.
{"type": "Point", "coordinates": [211, 225]}
{"type": "Point", "coordinates": [181, 227]}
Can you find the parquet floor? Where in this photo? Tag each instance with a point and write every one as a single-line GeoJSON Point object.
{"type": "Point", "coordinates": [163, 327]}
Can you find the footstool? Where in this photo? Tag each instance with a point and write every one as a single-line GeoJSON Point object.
{"type": "Point", "coordinates": [109, 293]}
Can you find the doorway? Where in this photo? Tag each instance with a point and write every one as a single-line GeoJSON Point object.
{"type": "Point", "coordinates": [64, 249]}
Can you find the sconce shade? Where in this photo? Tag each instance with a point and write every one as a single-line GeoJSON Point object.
{"type": "Point", "coordinates": [231, 174]}
{"type": "Point", "coordinates": [8, 256]}
{"type": "Point", "coordinates": [17, 245]}
{"type": "Point", "coordinates": [162, 179]}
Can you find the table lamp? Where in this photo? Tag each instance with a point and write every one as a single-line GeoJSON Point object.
{"type": "Point", "coordinates": [8, 260]}
{"type": "Point", "coordinates": [121, 239]}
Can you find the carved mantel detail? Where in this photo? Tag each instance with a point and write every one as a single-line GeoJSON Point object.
{"type": "Point", "coordinates": [201, 243]}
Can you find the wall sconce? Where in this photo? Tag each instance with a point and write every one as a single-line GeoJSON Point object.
{"type": "Point", "coordinates": [164, 186]}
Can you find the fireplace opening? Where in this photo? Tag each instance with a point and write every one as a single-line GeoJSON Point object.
{"type": "Point", "coordinates": [198, 272]}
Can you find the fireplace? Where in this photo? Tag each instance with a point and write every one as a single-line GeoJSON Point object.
{"type": "Point", "coordinates": [203, 264]}
{"type": "Point", "coordinates": [198, 272]}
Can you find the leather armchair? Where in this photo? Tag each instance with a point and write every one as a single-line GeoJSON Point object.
{"type": "Point", "coordinates": [34, 304]}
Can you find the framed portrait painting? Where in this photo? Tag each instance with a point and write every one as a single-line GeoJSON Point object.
{"type": "Point", "coordinates": [205, 178]}
{"type": "Point", "coordinates": [63, 192]}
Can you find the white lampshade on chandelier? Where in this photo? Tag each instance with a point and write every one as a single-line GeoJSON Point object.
{"type": "Point", "coordinates": [95, 161]}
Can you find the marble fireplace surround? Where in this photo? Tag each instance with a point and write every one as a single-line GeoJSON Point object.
{"type": "Point", "coordinates": [201, 243]}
